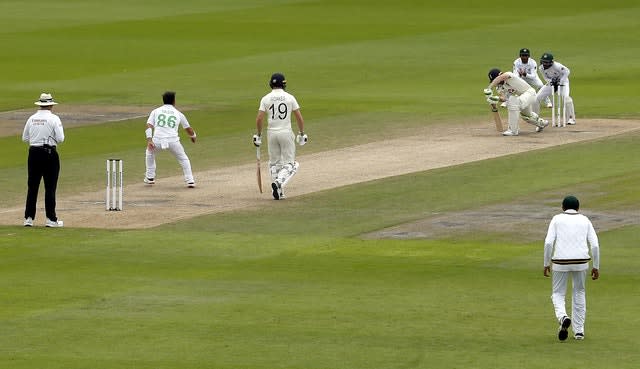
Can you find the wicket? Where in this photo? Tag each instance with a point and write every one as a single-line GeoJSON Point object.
{"type": "Point", "coordinates": [559, 117]}
{"type": "Point", "coordinates": [114, 185]}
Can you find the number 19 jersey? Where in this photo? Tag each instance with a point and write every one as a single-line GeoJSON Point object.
{"type": "Point", "coordinates": [166, 121]}
{"type": "Point", "coordinates": [279, 105]}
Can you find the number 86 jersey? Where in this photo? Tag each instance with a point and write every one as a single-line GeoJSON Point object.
{"type": "Point", "coordinates": [278, 105]}
{"type": "Point", "coordinates": [166, 121]}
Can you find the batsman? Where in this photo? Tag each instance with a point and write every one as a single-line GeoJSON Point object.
{"type": "Point", "coordinates": [520, 98]}
{"type": "Point", "coordinates": [278, 106]}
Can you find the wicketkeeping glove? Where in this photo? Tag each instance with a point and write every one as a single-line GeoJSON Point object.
{"type": "Point", "coordinates": [257, 140]}
{"type": "Point", "coordinates": [555, 81]}
{"type": "Point", "coordinates": [487, 91]}
{"type": "Point", "coordinates": [302, 138]}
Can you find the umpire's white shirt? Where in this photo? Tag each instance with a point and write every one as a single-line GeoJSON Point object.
{"type": "Point", "coordinates": [43, 128]}
{"type": "Point", "coordinates": [567, 243]}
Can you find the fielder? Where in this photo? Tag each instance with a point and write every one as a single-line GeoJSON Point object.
{"type": "Point", "coordinates": [556, 76]}
{"type": "Point", "coordinates": [278, 105]}
{"type": "Point", "coordinates": [162, 133]}
{"type": "Point", "coordinates": [566, 247]}
{"type": "Point", "coordinates": [519, 96]}
{"type": "Point", "coordinates": [527, 69]}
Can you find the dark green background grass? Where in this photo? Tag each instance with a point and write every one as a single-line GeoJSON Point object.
{"type": "Point", "coordinates": [292, 285]}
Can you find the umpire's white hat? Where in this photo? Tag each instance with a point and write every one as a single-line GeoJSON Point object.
{"type": "Point", "coordinates": [45, 100]}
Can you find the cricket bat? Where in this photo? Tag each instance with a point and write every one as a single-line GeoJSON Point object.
{"type": "Point", "coordinates": [496, 117]}
{"type": "Point", "coordinates": [258, 174]}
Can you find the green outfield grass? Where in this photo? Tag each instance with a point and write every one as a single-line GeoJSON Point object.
{"type": "Point", "coordinates": [298, 287]}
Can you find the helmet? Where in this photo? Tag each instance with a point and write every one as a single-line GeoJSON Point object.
{"type": "Point", "coordinates": [546, 57]}
{"type": "Point", "coordinates": [525, 52]}
{"type": "Point", "coordinates": [278, 81]}
{"type": "Point", "coordinates": [493, 73]}
{"type": "Point", "coordinates": [546, 60]}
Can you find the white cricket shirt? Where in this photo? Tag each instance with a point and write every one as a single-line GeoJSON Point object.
{"type": "Point", "coordinates": [556, 70]}
{"type": "Point", "coordinates": [165, 121]}
{"type": "Point", "coordinates": [279, 105]}
{"type": "Point", "coordinates": [515, 85]}
{"type": "Point", "coordinates": [566, 246]}
{"type": "Point", "coordinates": [530, 68]}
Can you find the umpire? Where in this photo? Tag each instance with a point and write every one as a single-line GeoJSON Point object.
{"type": "Point", "coordinates": [43, 131]}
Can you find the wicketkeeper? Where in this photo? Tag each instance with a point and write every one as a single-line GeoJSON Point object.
{"type": "Point", "coordinates": [557, 77]}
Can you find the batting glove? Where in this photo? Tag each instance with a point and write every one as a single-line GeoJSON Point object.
{"type": "Point", "coordinates": [257, 140]}
{"type": "Point", "coordinates": [302, 138]}
{"type": "Point", "coordinates": [493, 99]}
{"type": "Point", "coordinates": [487, 91]}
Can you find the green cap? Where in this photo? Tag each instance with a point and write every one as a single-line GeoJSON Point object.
{"type": "Point", "coordinates": [570, 202]}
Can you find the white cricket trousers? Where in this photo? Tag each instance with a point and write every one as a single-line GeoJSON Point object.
{"type": "Point", "coordinates": [559, 281]}
{"type": "Point", "coordinates": [534, 82]}
{"type": "Point", "coordinates": [517, 105]}
{"type": "Point", "coordinates": [282, 150]}
{"type": "Point", "coordinates": [177, 150]}
{"type": "Point", "coordinates": [545, 93]}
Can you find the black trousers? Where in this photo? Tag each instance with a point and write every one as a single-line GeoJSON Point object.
{"type": "Point", "coordinates": [43, 163]}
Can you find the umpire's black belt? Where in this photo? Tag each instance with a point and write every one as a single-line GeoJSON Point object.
{"type": "Point", "coordinates": [47, 148]}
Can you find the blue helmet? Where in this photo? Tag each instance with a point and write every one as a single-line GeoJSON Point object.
{"type": "Point", "coordinates": [493, 73]}
{"type": "Point", "coordinates": [278, 81]}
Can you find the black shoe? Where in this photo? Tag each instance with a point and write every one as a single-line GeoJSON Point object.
{"type": "Point", "coordinates": [276, 191]}
{"type": "Point", "coordinates": [563, 331]}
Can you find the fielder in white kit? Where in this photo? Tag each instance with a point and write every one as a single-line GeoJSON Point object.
{"type": "Point", "coordinates": [520, 98]}
{"type": "Point", "coordinates": [556, 75]}
{"type": "Point", "coordinates": [527, 69]}
{"type": "Point", "coordinates": [566, 249]}
{"type": "Point", "coordinates": [162, 133]}
{"type": "Point", "coordinates": [279, 105]}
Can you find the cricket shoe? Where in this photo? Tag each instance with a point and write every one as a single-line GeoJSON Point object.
{"type": "Point", "coordinates": [191, 184]}
{"type": "Point", "coordinates": [563, 330]}
{"type": "Point", "coordinates": [275, 186]}
{"type": "Point", "coordinates": [542, 124]}
{"type": "Point", "coordinates": [571, 122]}
{"type": "Point", "coordinates": [509, 132]}
{"type": "Point", "coordinates": [149, 180]}
{"type": "Point", "coordinates": [28, 222]}
{"type": "Point", "coordinates": [549, 105]}
{"type": "Point", "coordinates": [504, 104]}
{"type": "Point", "coordinates": [54, 223]}
{"type": "Point", "coordinates": [579, 336]}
